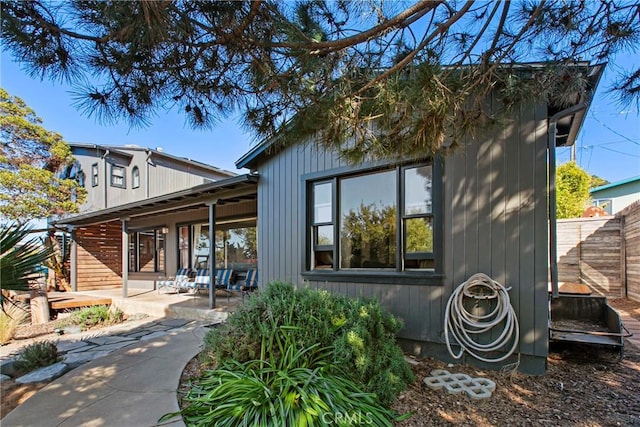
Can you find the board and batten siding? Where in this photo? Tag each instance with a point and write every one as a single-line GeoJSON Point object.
{"type": "Point", "coordinates": [495, 222]}
{"type": "Point", "coordinates": [158, 176]}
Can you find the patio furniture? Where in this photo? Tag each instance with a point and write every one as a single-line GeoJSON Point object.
{"type": "Point", "coordinates": [201, 282]}
{"type": "Point", "coordinates": [223, 278]}
{"type": "Point", "coordinates": [177, 282]}
{"type": "Point", "coordinates": [249, 284]}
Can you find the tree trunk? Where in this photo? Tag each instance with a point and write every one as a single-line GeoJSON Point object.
{"type": "Point", "coordinates": [39, 305]}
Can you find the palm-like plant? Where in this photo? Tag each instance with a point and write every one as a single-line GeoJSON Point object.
{"type": "Point", "coordinates": [20, 256]}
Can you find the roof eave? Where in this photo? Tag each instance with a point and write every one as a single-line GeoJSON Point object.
{"type": "Point", "coordinates": [195, 196]}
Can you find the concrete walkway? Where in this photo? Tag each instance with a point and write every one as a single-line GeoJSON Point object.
{"type": "Point", "coordinates": [131, 386]}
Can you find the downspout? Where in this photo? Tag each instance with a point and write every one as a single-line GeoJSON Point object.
{"type": "Point", "coordinates": [106, 176]}
{"type": "Point", "coordinates": [553, 227]}
{"type": "Point", "coordinates": [147, 161]}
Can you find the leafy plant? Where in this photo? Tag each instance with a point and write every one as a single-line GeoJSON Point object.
{"type": "Point", "coordinates": [10, 317]}
{"type": "Point", "coordinates": [20, 257]}
{"type": "Point", "coordinates": [294, 385]}
{"type": "Point", "coordinates": [37, 355]}
{"type": "Point", "coordinates": [89, 317]}
{"type": "Point", "coordinates": [359, 332]}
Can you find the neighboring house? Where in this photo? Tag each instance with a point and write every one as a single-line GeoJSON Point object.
{"type": "Point", "coordinates": [160, 201]}
{"type": "Point", "coordinates": [616, 196]}
{"type": "Point", "coordinates": [405, 233]}
{"type": "Point", "coordinates": [115, 175]}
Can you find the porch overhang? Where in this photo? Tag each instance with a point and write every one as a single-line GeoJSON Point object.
{"type": "Point", "coordinates": [231, 190]}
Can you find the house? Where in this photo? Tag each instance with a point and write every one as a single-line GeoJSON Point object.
{"type": "Point", "coordinates": [616, 196]}
{"type": "Point", "coordinates": [115, 175]}
{"type": "Point", "coordinates": [405, 233]}
{"type": "Point", "coordinates": [408, 234]}
{"type": "Point", "coordinates": [157, 206]}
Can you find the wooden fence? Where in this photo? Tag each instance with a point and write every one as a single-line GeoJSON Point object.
{"type": "Point", "coordinates": [631, 237]}
{"type": "Point", "coordinates": [602, 252]}
{"type": "Point", "coordinates": [99, 256]}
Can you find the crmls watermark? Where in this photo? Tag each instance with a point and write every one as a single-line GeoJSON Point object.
{"type": "Point", "coordinates": [347, 419]}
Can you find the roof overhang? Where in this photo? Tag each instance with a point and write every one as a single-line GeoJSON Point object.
{"type": "Point", "coordinates": [231, 190]}
{"type": "Point", "coordinates": [568, 126]}
{"type": "Point", "coordinates": [102, 150]}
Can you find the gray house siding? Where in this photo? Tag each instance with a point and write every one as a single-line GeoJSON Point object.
{"type": "Point", "coordinates": [494, 221]}
{"type": "Point", "coordinates": [159, 175]}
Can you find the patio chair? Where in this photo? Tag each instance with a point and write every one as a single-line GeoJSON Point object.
{"type": "Point", "coordinates": [177, 283]}
{"type": "Point", "coordinates": [201, 282]}
{"type": "Point", "coordinates": [249, 284]}
{"type": "Point", "coordinates": [223, 278]}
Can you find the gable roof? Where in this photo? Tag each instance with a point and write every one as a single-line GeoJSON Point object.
{"type": "Point", "coordinates": [124, 151]}
{"type": "Point", "coordinates": [567, 127]}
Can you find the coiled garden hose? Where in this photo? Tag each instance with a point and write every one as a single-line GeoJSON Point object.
{"type": "Point", "coordinates": [462, 325]}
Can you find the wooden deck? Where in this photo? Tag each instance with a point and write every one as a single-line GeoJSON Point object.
{"type": "Point", "coordinates": [64, 300]}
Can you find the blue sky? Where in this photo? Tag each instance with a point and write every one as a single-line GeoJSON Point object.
{"type": "Point", "coordinates": [608, 145]}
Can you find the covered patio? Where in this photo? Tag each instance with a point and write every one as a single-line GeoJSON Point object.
{"type": "Point", "coordinates": [172, 305]}
{"type": "Point", "coordinates": [127, 249]}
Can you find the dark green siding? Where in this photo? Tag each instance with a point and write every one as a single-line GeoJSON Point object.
{"type": "Point", "coordinates": [494, 209]}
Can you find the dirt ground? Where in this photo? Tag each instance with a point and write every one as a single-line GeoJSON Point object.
{"type": "Point", "coordinates": [582, 387]}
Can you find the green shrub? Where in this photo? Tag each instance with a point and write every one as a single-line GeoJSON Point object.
{"type": "Point", "coordinates": [89, 317]}
{"type": "Point", "coordinates": [360, 333]}
{"type": "Point", "coordinates": [295, 386]}
{"type": "Point", "coordinates": [37, 355]}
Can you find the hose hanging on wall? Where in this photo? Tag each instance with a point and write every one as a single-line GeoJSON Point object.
{"type": "Point", "coordinates": [462, 325]}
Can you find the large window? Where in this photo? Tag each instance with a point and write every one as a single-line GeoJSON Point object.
{"type": "Point", "coordinates": [147, 251]}
{"type": "Point", "coordinates": [236, 246]}
{"type": "Point", "coordinates": [376, 221]}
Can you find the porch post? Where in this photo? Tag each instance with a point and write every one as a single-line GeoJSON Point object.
{"type": "Point", "coordinates": [73, 260]}
{"type": "Point", "coordinates": [212, 253]}
{"type": "Point", "coordinates": [125, 258]}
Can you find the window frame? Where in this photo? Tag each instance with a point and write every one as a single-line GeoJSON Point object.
{"type": "Point", "coordinates": [134, 239]}
{"type": "Point", "coordinates": [95, 174]}
{"type": "Point", "coordinates": [135, 177]}
{"type": "Point", "coordinates": [401, 275]}
{"type": "Point", "coordinates": [124, 176]}
{"type": "Point", "coordinates": [223, 225]}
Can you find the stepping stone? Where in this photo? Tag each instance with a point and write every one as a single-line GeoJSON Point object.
{"type": "Point", "coordinates": [47, 373]}
{"type": "Point", "coordinates": [157, 328]}
{"type": "Point", "coordinates": [87, 348]}
{"type": "Point", "coordinates": [4, 377]}
{"type": "Point", "coordinates": [138, 334]}
{"type": "Point", "coordinates": [115, 345]}
{"type": "Point", "coordinates": [76, 359]}
{"type": "Point", "coordinates": [7, 367]}
{"type": "Point", "coordinates": [108, 339]}
{"type": "Point", "coordinates": [67, 346]}
{"type": "Point", "coordinates": [174, 323]}
{"type": "Point", "coordinates": [153, 335]}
